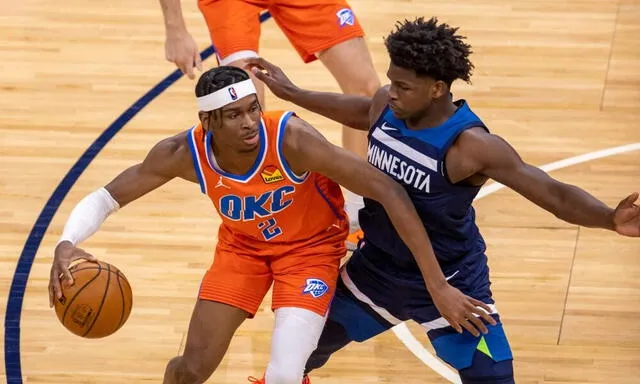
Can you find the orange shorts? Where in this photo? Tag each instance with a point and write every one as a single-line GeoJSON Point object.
{"type": "Point", "coordinates": [310, 25]}
{"type": "Point", "coordinates": [305, 281]}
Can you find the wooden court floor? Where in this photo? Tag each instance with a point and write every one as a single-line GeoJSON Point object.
{"type": "Point", "coordinates": [557, 79]}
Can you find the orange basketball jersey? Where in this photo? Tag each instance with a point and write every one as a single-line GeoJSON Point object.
{"type": "Point", "coordinates": [270, 211]}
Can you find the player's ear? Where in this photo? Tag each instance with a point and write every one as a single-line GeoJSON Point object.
{"type": "Point", "coordinates": [204, 119]}
{"type": "Point", "coordinates": [439, 89]}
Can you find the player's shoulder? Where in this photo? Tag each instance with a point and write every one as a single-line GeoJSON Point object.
{"type": "Point", "coordinates": [477, 144]}
{"type": "Point", "coordinates": [378, 103]}
{"type": "Point", "coordinates": [171, 155]}
{"type": "Point", "coordinates": [475, 136]}
{"type": "Point", "coordinates": [173, 145]}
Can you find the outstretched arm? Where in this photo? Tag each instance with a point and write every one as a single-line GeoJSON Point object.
{"type": "Point", "coordinates": [306, 150]}
{"type": "Point", "coordinates": [350, 110]}
{"type": "Point", "coordinates": [493, 157]}
{"type": "Point", "coordinates": [168, 159]}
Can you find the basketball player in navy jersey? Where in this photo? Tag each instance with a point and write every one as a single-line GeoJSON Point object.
{"type": "Point", "coordinates": [442, 153]}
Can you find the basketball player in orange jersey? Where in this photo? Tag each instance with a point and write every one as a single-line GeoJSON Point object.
{"type": "Point", "coordinates": [318, 29]}
{"type": "Point", "coordinates": [269, 175]}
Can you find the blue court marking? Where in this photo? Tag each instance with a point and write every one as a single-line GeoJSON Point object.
{"type": "Point", "coordinates": [13, 369]}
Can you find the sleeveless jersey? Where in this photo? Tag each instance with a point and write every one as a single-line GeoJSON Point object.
{"type": "Point", "coordinates": [416, 159]}
{"type": "Point", "coordinates": [270, 211]}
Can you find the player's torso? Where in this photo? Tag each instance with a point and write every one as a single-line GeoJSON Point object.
{"type": "Point", "coordinates": [269, 204]}
{"type": "Point", "coordinates": [416, 159]}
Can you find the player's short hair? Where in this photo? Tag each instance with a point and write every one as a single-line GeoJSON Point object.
{"type": "Point", "coordinates": [430, 49]}
{"type": "Point", "coordinates": [218, 78]}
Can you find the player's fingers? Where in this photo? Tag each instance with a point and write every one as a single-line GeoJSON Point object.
{"type": "Point", "coordinates": [453, 324]}
{"type": "Point", "coordinates": [477, 322]}
{"type": "Point", "coordinates": [68, 278]}
{"type": "Point", "coordinates": [260, 75]}
{"type": "Point", "coordinates": [469, 327]}
{"type": "Point", "coordinates": [483, 310]}
{"type": "Point", "coordinates": [628, 201]}
{"type": "Point", "coordinates": [188, 69]}
{"type": "Point", "coordinates": [55, 284]}
{"type": "Point", "coordinates": [51, 294]}
{"type": "Point", "coordinates": [254, 62]}
{"type": "Point", "coordinates": [197, 60]}
{"type": "Point", "coordinates": [266, 65]}
{"type": "Point", "coordinates": [80, 254]}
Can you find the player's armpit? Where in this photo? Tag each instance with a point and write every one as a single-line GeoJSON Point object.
{"type": "Point", "coordinates": [168, 159]}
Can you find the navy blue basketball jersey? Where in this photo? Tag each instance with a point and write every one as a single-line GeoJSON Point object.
{"type": "Point", "coordinates": [415, 159]}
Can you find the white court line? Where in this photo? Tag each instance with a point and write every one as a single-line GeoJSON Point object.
{"type": "Point", "coordinates": [409, 340]}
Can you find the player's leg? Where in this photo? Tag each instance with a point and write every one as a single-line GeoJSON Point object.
{"type": "Point", "coordinates": [210, 331]}
{"type": "Point", "coordinates": [361, 307]}
{"type": "Point", "coordinates": [349, 320]}
{"type": "Point", "coordinates": [231, 290]}
{"type": "Point", "coordinates": [305, 284]}
{"type": "Point", "coordinates": [479, 360]}
{"type": "Point", "coordinates": [328, 30]}
{"type": "Point", "coordinates": [234, 26]}
{"type": "Point", "coordinates": [303, 287]}
{"type": "Point", "coordinates": [486, 359]}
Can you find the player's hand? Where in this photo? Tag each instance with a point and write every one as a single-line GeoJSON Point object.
{"type": "Point", "coordinates": [626, 217]}
{"type": "Point", "coordinates": [181, 49]}
{"type": "Point", "coordinates": [64, 254]}
{"type": "Point", "coordinates": [272, 76]}
{"type": "Point", "coordinates": [461, 310]}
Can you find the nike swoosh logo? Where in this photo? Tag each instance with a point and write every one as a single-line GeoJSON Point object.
{"type": "Point", "coordinates": [385, 127]}
{"type": "Point", "coordinates": [450, 277]}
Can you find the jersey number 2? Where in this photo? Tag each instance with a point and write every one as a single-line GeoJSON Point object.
{"type": "Point", "coordinates": [270, 229]}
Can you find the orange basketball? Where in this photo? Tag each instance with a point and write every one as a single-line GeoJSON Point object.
{"type": "Point", "coordinates": [98, 303]}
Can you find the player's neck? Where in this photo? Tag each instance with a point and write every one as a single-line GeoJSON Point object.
{"type": "Point", "coordinates": [234, 162]}
{"type": "Point", "coordinates": [439, 112]}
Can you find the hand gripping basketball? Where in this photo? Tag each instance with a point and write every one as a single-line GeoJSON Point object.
{"type": "Point", "coordinates": [92, 299]}
{"type": "Point", "coordinates": [64, 254]}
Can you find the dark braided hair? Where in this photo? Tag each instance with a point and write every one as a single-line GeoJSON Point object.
{"type": "Point", "coordinates": [430, 50]}
{"type": "Point", "coordinates": [218, 78]}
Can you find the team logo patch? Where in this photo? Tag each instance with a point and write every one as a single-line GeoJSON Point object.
{"type": "Point", "coordinates": [315, 287]}
{"type": "Point", "coordinates": [232, 93]}
{"type": "Point", "coordinates": [345, 17]}
{"type": "Point", "coordinates": [271, 174]}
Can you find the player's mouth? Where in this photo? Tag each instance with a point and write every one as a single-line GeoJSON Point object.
{"type": "Point", "coordinates": [252, 138]}
{"type": "Point", "coordinates": [394, 108]}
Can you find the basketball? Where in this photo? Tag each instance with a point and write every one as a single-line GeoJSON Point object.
{"type": "Point", "coordinates": [98, 303]}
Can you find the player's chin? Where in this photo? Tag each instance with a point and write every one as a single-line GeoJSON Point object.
{"type": "Point", "coordinates": [398, 113]}
{"type": "Point", "coordinates": [248, 147]}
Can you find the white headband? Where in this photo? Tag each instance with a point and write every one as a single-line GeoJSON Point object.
{"type": "Point", "coordinates": [226, 95]}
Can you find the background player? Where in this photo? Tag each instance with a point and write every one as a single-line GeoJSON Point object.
{"type": "Point", "coordinates": [264, 172]}
{"type": "Point", "coordinates": [441, 153]}
{"type": "Point", "coordinates": [322, 29]}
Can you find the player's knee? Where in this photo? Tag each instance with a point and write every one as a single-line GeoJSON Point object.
{"type": "Point", "coordinates": [486, 371]}
{"type": "Point", "coordinates": [480, 360]}
{"type": "Point", "coordinates": [334, 337]}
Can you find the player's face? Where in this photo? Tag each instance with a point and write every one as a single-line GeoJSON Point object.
{"type": "Point", "coordinates": [238, 125]}
{"type": "Point", "coordinates": [410, 95]}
